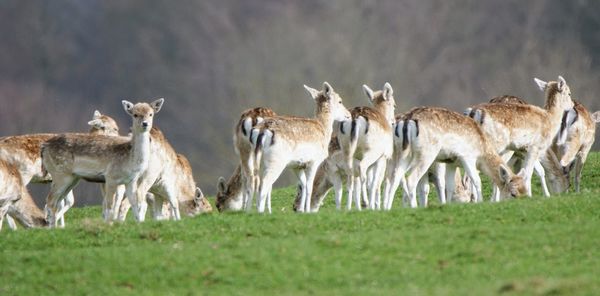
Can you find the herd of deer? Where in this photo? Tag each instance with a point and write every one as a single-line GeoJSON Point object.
{"type": "Point", "coordinates": [366, 147]}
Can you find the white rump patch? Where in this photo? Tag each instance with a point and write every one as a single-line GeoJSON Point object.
{"type": "Point", "coordinates": [247, 126]}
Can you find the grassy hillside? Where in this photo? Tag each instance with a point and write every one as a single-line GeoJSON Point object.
{"type": "Point", "coordinates": [530, 246]}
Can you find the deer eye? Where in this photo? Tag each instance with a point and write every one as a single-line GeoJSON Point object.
{"type": "Point", "coordinates": [135, 115]}
{"type": "Point", "coordinates": [150, 114]}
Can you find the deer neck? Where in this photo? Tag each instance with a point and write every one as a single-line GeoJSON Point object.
{"type": "Point", "coordinates": [555, 112]}
{"type": "Point", "coordinates": [140, 143]}
{"type": "Point", "coordinates": [325, 118]}
{"type": "Point", "coordinates": [490, 163]}
{"type": "Point", "coordinates": [383, 109]}
{"type": "Point", "coordinates": [28, 214]}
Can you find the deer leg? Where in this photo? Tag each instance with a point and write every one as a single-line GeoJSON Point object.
{"type": "Point", "coordinates": [539, 170]}
{"type": "Point", "coordinates": [423, 190]}
{"type": "Point", "coordinates": [418, 170]}
{"type": "Point", "coordinates": [470, 167]}
{"type": "Point", "coordinates": [60, 187]}
{"type": "Point", "coordinates": [269, 177]}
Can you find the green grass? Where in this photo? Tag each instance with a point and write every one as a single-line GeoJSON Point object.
{"type": "Point", "coordinates": [540, 246]}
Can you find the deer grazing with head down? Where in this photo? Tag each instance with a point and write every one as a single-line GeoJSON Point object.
{"type": "Point", "coordinates": [575, 139]}
{"type": "Point", "coordinates": [168, 177]}
{"type": "Point", "coordinates": [15, 201]}
{"type": "Point", "coordinates": [525, 128]}
{"type": "Point", "coordinates": [367, 144]}
{"type": "Point", "coordinates": [548, 162]}
{"type": "Point", "coordinates": [447, 186]}
{"type": "Point", "coordinates": [300, 143]}
{"type": "Point", "coordinates": [437, 134]}
{"type": "Point", "coordinates": [115, 160]}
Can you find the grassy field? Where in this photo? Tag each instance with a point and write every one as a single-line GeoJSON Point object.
{"type": "Point", "coordinates": [540, 246]}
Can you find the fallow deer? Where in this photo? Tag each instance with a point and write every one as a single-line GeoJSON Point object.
{"type": "Point", "coordinates": [243, 148]}
{"type": "Point", "coordinates": [575, 139]}
{"type": "Point", "coordinates": [331, 173]}
{"type": "Point", "coordinates": [367, 144]}
{"type": "Point", "coordinates": [114, 160]}
{"type": "Point", "coordinates": [300, 143]}
{"type": "Point", "coordinates": [438, 134]}
{"type": "Point", "coordinates": [526, 128]}
{"type": "Point", "coordinates": [24, 152]}
{"type": "Point", "coordinates": [16, 201]}
{"type": "Point", "coordinates": [171, 177]}
{"type": "Point", "coordinates": [547, 163]}
{"type": "Point", "coordinates": [398, 165]}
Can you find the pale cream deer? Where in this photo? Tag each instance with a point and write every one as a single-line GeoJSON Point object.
{"type": "Point", "coordinates": [24, 152]}
{"type": "Point", "coordinates": [15, 201]}
{"type": "Point", "coordinates": [575, 139]}
{"type": "Point", "coordinates": [171, 177]}
{"type": "Point", "coordinates": [398, 165]}
{"type": "Point", "coordinates": [526, 128]}
{"type": "Point", "coordinates": [243, 148]}
{"type": "Point", "coordinates": [367, 143]}
{"type": "Point", "coordinates": [300, 143]}
{"type": "Point", "coordinates": [548, 162]}
{"type": "Point", "coordinates": [438, 134]}
{"type": "Point", "coordinates": [114, 160]}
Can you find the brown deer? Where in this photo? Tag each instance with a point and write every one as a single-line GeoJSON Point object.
{"type": "Point", "coordinates": [114, 160]}
{"type": "Point", "coordinates": [438, 134]}
{"type": "Point", "coordinates": [366, 141]}
{"type": "Point", "coordinates": [575, 139]}
{"type": "Point", "coordinates": [526, 128]}
{"type": "Point", "coordinates": [298, 142]}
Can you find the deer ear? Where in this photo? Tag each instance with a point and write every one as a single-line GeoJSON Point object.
{"type": "Point", "coordinates": [156, 105]}
{"type": "Point", "coordinates": [221, 187]}
{"type": "Point", "coordinates": [327, 89]}
{"type": "Point", "coordinates": [388, 92]}
{"type": "Point", "coordinates": [504, 173]}
{"type": "Point", "coordinates": [561, 83]}
{"type": "Point", "coordinates": [128, 106]}
{"type": "Point", "coordinates": [368, 92]}
{"type": "Point", "coordinates": [199, 194]}
{"type": "Point", "coordinates": [97, 114]}
{"type": "Point", "coordinates": [596, 116]}
{"type": "Point", "coordinates": [313, 93]}
{"type": "Point", "coordinates": [541, 84]}
{"type": "Point", "coordinates": [95, 123]}
{"type": "Point", "coordinates": [521, 173]}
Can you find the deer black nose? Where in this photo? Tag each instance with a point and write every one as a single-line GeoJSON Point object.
{"type": "Point", "coordinates": [145, 124]}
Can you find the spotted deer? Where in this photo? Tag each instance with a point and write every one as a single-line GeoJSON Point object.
{"type": "Point", "coordinates": [525, 128]}
{"type": "Point", "coordinates": [300, 143]}
{"type": "Point", "coordinates": [24, 152]}
{"type": "Point", "coordinates": [547, 163]}
{"type": "Point", "coordinates": [15, 201]}
{"type": "Point", "coordinates": [438, 134]}
{"type": "Point", "coordinates": [331, 174]}
{"type": "Point", "coordinates": [398, 165]}
{"type": "Point", "coordinates": [115, 160]}
{"type": "Point", "coordinates": [230, 193]}
{"type": "Point", "coordinates": [367, 143]}
{"type": "Point", "coordinates": [575, 139]}
{"type": "Point", "coordinates": [174, 179]}
{"type": "Point", "coordinates": [243, 148]}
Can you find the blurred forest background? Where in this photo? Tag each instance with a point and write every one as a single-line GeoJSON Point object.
{"type": "Point", "coordinates": [61, 60]}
